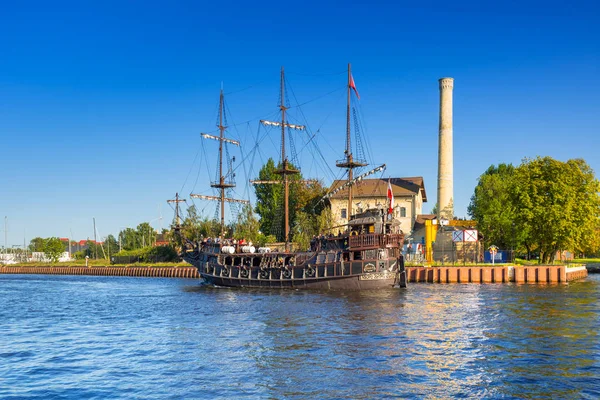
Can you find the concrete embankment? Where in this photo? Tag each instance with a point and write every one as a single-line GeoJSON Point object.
{"type": "Point", "coordinates": [166, 272]}
{"type": "Point", "coordinates": [471, 274]}
{"type": "Point", "coordinates": [500, 274]}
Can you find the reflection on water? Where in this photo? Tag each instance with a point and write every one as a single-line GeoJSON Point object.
{"type": "Point", "coordinates": [102, 337]}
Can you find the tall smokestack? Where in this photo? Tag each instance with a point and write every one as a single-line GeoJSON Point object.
{"type": "Point", "coordinates": [445, 195]}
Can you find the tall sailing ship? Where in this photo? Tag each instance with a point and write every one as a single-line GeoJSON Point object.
{"type": "Point", "coordinates": [366, 254]}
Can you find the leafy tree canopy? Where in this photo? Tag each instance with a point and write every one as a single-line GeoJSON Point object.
{"type": "Point", "coordinates": [37, 244]}
{"type": "Point", "coordinates": [544, 205]}
{"type": "Point", "coordinates": [304, 203]}
{"type": "Point", "coordinates": [53, 248]}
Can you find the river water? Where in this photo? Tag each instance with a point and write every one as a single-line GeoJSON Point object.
{"type": "Point", "coordinates": [151, 338]}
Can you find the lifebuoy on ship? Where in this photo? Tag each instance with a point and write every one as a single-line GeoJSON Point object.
{"type": "Point", "coordinates": [287, 273]}
{"type": "Point", "coordinates": [243, 273]}
{"type": "Point", "coordinates": [264, 273]}
{"type": "Point", "coordinates": [225, 271]}
{"type": "Point", "coordinates": [310, 272]}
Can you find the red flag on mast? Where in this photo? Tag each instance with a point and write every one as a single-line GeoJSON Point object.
{"type": "Point", "coordinates": [353, 86]}
{"type": "Point", "coordinates": [390, 195]}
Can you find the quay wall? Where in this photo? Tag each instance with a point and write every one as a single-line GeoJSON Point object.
{"type": "Point", "coordinates": [142, 271]}
{"type": "Point", "coordinates": [467, 274]}
{"type": "Point", "coordinates": [499, 274]}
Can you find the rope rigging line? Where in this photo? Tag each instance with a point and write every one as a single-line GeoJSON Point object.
{"type": "Point", "coordinates": [229, 174]}
{"type": "Point", "coordinates": [308, 129]}
{"type": "Point", "coordinates": [360, 151]}
{"type": "Point", "coordinates": [247, 88]}
{"type": "Point", "coordinates": [320, 97]}
{"type": "Point", "coordinates": [252, 151]}
{"type": "Point", "coordinates": [363, 129]}
{"type": "Point", "coordinates": [246, 183]}
{"type": "Point", "coordinates": [317, 151]}
{"type": "Point", "coordinates": [205, 158]}
{"type": "Point", "coordinates": [265, 116]}
{"type": "Point", "coordinates": [190, 171]}
{"type": "Point", "coordinates": [321, 74]}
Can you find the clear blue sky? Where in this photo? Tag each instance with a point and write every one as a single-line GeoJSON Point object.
{"type": "Point", "coordinates": [102, 103]}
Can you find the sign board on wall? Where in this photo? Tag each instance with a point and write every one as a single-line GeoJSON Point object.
{"type": "Point", "coordinates": [457, 236]}
{"type": "Point", "coordinates": [470, 235]}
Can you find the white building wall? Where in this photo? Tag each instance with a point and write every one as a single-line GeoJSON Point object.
{"type": "Point", "coordinates": [413, 205]}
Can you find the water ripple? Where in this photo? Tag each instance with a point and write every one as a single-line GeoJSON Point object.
{"type": "Point", "coordinates": [111, 337]}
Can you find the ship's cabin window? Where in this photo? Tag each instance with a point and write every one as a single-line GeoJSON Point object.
{"type": "Point", "coordinates": [402, 212]}
{"type": "Point", "coordinates": [344, 213]}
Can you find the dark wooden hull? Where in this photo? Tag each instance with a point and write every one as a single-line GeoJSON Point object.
{"type": "Point", "coordinates": [330, 276]}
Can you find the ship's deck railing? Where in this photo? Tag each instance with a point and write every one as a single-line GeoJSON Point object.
{"type": "Point", "coordinates": [372, 240]}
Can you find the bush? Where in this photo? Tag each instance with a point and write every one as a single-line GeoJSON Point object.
{"type": "Point", "coordinates": [147, 255]}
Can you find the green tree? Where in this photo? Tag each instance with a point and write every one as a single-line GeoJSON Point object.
{"type": "Point", "coordinates": [93, 250]}
{"type": "Point", "coordinates": [146, 235]}
{"type": "Point", "coordinates": [492, 208]}
{"type": "Point", "coordinates": [53, 248]}
{"type": "Point", "coordinates": [304, 229]}
{"type": "Point", "coordinates": [542, 205]}
{"type": "Point", "coordinates": [191, 227]}
{"type": "Point", "coordinates": [37, 244]}
{"type": "Point", "coordinates": [303, 198]}
{"type": "Point", "coordinates": [558, 203]}
{"type": "Point", "coordinates": [129, 239]}
{"type": "Point", "coordinates": [247, 226]}
{"type": "Point", "coordinates": [269, 198]}
{"type": "Point", "coordinates": [111, 245]}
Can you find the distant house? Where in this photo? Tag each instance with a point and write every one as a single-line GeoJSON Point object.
{"type": "Point", "coordinates": [77, 246]}
{"type": "Point", "coordinates": [161, 240]}
{"type": "Point", "coordinates": [409, 196]}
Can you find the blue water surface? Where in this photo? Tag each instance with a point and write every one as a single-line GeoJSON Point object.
{"type": "Point", "coordinates": [80, 337]}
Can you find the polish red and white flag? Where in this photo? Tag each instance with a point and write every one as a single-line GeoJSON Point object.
{"type": "Point", "coordinates": [390, 195]}
{"type": "Point", "coordinates": [353, 86]}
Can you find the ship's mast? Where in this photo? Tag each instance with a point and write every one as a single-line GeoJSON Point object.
{"type": "Point", "coordinates": [285, 169]}
{"type": "Point", "coordinates": [176, 201]}
{"type": "Point", "coordinates": [349, 162]}
{"type": "Point", "coordinates": [221, 184]}
{"type": "Point", "coordinates": [348, 147]}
